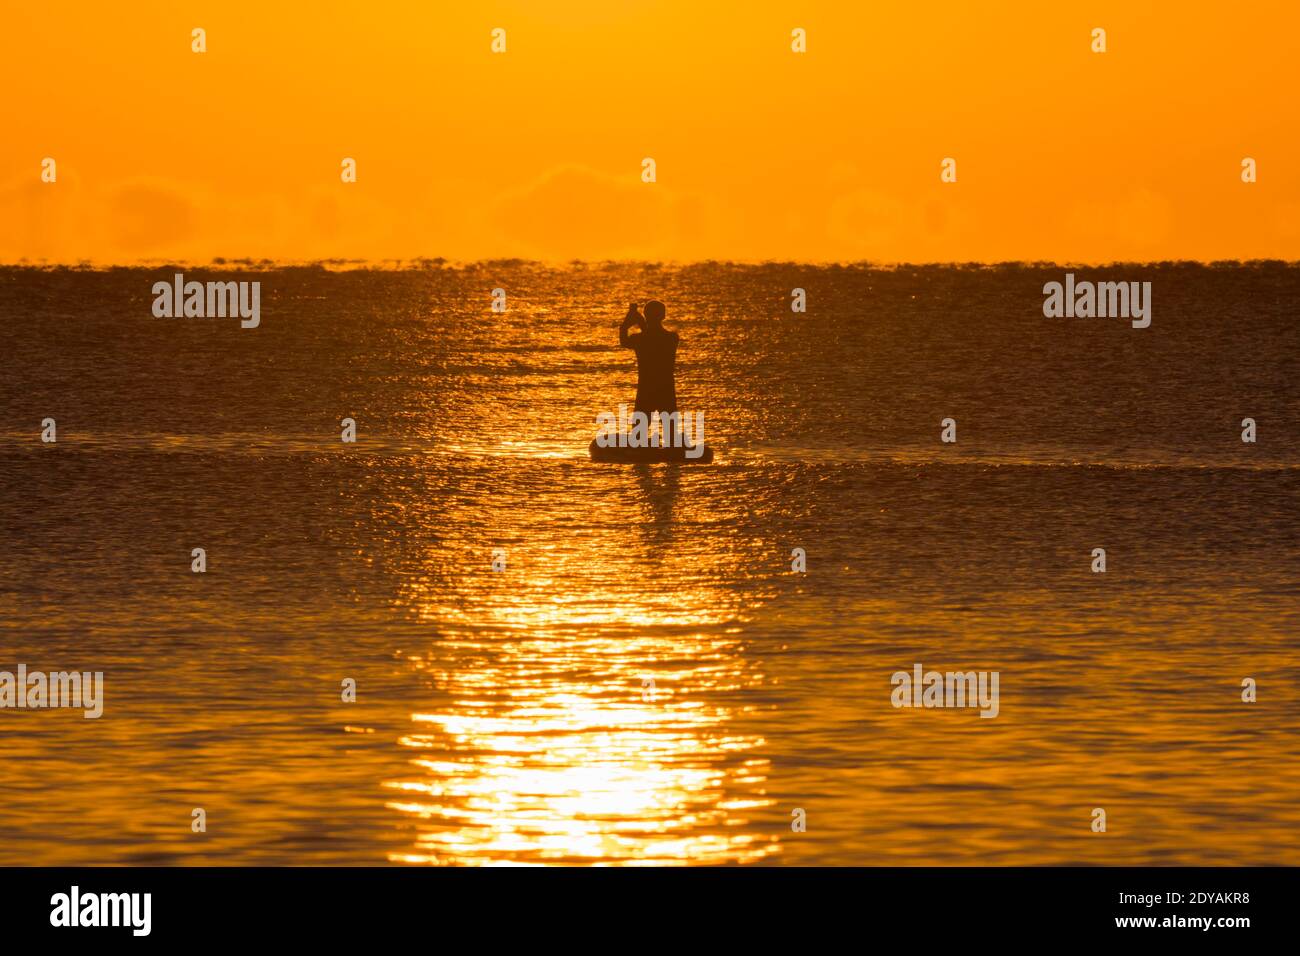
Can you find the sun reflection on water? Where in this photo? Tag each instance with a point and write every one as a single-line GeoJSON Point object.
{"type": "Point", "coordinates": [556, 750]}
{"type": "Point", "coordinates": [543, 740]}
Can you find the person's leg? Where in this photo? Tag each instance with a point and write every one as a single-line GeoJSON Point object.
{"type": "Point", "coordinates": [670, 426]}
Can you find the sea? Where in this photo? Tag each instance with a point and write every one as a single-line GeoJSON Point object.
{"type": "Point", "coordinates": [458, 641]}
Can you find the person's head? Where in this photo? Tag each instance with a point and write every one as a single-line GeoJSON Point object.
{"type": "Point", "coordinates": [654, 314]}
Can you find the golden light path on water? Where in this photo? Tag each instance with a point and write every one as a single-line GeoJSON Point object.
{"type": "Point", "coordinates": [537, 764]}
{"type": "Point", "coordinates": [569, 729]}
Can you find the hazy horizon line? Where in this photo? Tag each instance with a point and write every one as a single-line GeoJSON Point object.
{"type": "Point", "coordinates": [426, 263]}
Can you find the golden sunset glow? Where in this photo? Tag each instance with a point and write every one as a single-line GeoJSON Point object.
{"type": "Point", "coordinates": [642, 434]}
{"type": "Point", "coordinates": [761, 153]}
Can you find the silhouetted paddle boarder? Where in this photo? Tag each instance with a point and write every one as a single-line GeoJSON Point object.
{"type": "Point", "coordinates": [659, 432]}
{"type": "Point", "coordinates": [656, 358]}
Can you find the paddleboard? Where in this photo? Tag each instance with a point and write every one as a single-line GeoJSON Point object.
{"type": "Point", "coordinates": [645, 456]}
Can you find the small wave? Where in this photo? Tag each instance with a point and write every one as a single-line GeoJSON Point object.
{"type": "Point", "coordinates": [740, 454]}
{"type": "Point", "coordinates": [1021, 458]}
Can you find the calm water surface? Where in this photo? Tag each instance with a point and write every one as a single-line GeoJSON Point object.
{"type": "Point", "coordinates": [509, 717]}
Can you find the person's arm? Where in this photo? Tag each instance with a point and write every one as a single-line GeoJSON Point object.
{"type": "Point", "coordinates": [632, 318]}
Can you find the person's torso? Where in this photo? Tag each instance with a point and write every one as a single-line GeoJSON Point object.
{"type": "Point", "coordinates": [656, 355]}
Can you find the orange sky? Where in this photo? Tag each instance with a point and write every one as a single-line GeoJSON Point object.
{"type": "Point", "coordinates": [761, 153]}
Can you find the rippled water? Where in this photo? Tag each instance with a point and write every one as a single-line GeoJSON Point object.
{"type": "Point", "coordinates": [647, 681]}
